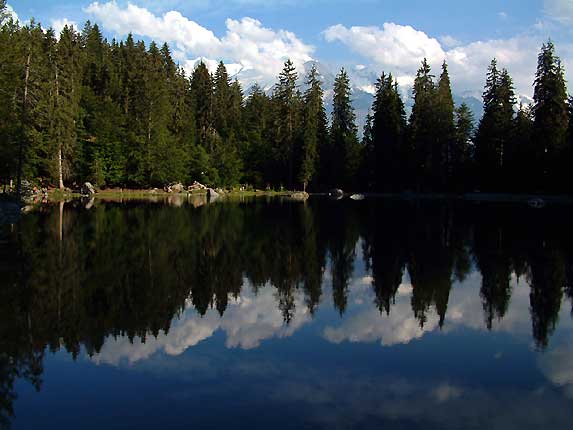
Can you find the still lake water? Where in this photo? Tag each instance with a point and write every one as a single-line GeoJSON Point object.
{"type": "Point", "coordinates": [274, 314]}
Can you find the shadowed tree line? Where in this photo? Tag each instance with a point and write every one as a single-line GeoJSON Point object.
{"type": "Point", "coordinates": [76, 107]}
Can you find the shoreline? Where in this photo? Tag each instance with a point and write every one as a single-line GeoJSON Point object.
{"type": "Point", "coordinates": [55, 195]}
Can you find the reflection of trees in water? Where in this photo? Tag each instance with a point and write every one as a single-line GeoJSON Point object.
{"type": "Point", "coordinates": [75, 276]}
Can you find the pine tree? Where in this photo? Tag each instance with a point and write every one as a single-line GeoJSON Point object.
{"type": "Point", "coordinates": [495, 129]}
{"type": "Point", "coordinates": [257, 150]}
{"type": "Point", "coordinates": [67, 81]}
{"type": "Point", "coordinates": [519, 150]}
{"type": "Point", "coordinates": [202, 94]}
{"type": "Point", "coordinates": [426, 150]}
{"type": "Point", "coordinates": [445, 128]}
{"type": "Point", "coordinates": [388, 135]}
{"type": "Point", "coordinates": [221, 100]}
{"type": "Point", "coordinates": [314, 128]}
{"type": "Point", "coordinates": [345, 147]}
{"type": "Point", "coordinates": [286, 115]}
{"type": "Point", "coordinates": [462, 149]}
{"type": "Point", "coordinates": [550, 118]}
{"type": "Point", "coordinates": [4, 14]}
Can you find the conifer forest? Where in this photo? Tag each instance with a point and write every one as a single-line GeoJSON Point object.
{"type": "Point", "coordinates": [75, 107]}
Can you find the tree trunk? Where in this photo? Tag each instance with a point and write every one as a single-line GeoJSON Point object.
{"type": "Point", "coordinates": [24, 124]}
{"type": "Point", "coordinates": [60, 170]}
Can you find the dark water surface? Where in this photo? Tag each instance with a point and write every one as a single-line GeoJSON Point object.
{"type": "Point", "coordinates": [276, 314]}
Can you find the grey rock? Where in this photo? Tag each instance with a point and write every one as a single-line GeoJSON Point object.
{"type": "Point", "coordinates": [299, 196]}
{"type": "Point", "coordinates": [87, 189]}
{"type": "Point", "coordinates": [212, 193]}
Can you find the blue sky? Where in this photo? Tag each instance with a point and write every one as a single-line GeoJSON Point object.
{"type": "Point", "coordinates": [255, 36]}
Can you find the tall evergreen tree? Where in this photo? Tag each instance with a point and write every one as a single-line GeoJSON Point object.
{"type": "Point", "coordinates": [202, 94]}
{"type": "Point", "coordinates": [388, 135]}
{"type": "Point", "coordinates": [426, 150]}
{"type": "Point", "coordinates": [286, 115]}
{"type": "Point", "coordinates": [314, 128]}
{"type": "Point", "coordinates": [550, 118]}
{"type": "Point", "coordinates": [445, 129]}
{"type": "Point", "coordinates": [495, 129]}
{"type": "Point", "coordinates": [462, 150]}
{"type": "Point", "coordinates": [221, 99]}
{"type": "Point", "coordinates": [67, 82]}
{"type": "Point", "coordinates": [343, 133]}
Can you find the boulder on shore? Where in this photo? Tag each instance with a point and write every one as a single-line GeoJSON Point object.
{"type": "Point", "coordinates": [300, 196]}
{"type": "Point", "coordinates": [212, 193]}
{"type": "Point", "coordinates": [87, 189]}
{"type": "Point", "coordinates": [196, 186]}
{"type": "Point", "coordinates": [175, 188]}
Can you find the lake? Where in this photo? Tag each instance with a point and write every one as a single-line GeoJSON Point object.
{"type": "Point", "coordinates": [268, 313]}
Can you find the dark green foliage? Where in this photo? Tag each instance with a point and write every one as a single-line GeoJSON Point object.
{"type": "Point", "coordinates": [495, 130]}
{"type": "Point", "coordinates": [287, 110]}
{"type": "Point", "coordinates": [388, 134]}
{"type": "Point", "coordinates": [462, 154]}
{"type": "Point", "coordinates": [344, 147]}
{"type": "Point", "coordinates": [315, 130]}
{"type": "Point", "coordinates": [427, 154]}
{"type": "Point", "coordinates": [550, 119]}
{"type": "Point", "coordinates": [75, 107]}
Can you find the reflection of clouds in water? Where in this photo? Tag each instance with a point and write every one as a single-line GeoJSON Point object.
{"type": "Point", "coordinates": [557, 365]}
{"type": "Point", "coordinates": [246, 322]}
{"type": "Point", "coordinates": [446, 392]}
{"type": "Point", "coordinates": [465, 309]}
{"type": "Point", "coordinates": [398, 402]}
{"type": "Point", "coordinates": [369, 325]}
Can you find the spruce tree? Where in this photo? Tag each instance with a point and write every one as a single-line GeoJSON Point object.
{"type": "Point", "coordinates": [427, 153]}
{"type": "Point", "coordinates": [462, 149]}
{"type": "Point", "coordinates": [4, 14]}
{"type": "Point", "coordinates": [67, 80]}
{"type": "Point", "coordinates": [550, 118]}
{"type": "Point", "coordinates": [202, 94]}
{"type": "Point", "coordinates": [286, 104]}
{"type": "Point", "coordinates": [257, 151]}
{"type": "Point", "coordinates": [445, 130]}
{"type": "Point", "coordinates": [495, 129]}
{"type": "Point", "coordinates": [345, 147]}
{"type": "Point", "coordinates": [519, 152]}
{"type": "Point", "coordinates": [388, 135]}
{"type": "Point", "coordinates": [314, 128]}
{"type": "Point", "coordinates": [221, 100]}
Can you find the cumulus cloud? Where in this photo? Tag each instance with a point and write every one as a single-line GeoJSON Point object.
{"type": "Point", "coordinates": [12, 12]}
{"type": "Point", "coordinates": [400, 327]}
{"type": "Point", "coordinates": [246, 323]}
{"type": "Point", "coordinates": [247, 45]}
{"type": "Point", "coordinates": [400, 49]}
{"type": "Point", "coordinates": [59, 24]}
{"type": "Point", "coordinates": [560, 10]}
{"type": "Point", "coordinates": [394, 45]}
{"type": "Point", "coordinates": [557, 365]}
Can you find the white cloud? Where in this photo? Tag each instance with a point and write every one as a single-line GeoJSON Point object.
{"type": "Point", "coordinates": [59, 24]}
{"type": "Point", "coordinates": [446, 392]}
{"type": "Point", "coordinates": [394, 45]}
{"type": "Point", "coordinates": [557, 365]}
{"type": "Point", "coordinates": [247, 322]}
{"type": "Point", "coordinates": [247, 45]}
{"type": "Point", "coordinates": [400, 49]}
{"type": "Point", "coordinates": [560, 10]}
{"type": "Point", "coordinates": [12, 12]}
{"type": "Point", "coordinates": [449, 41]}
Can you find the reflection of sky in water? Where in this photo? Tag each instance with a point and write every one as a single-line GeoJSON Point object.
{"type": "Point", "coordinates": [364, 369]}
{"type": "Point", "coordinates": [368, 367]}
